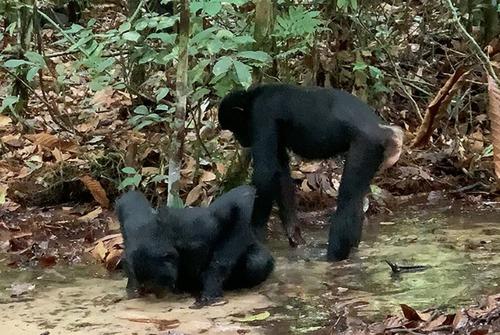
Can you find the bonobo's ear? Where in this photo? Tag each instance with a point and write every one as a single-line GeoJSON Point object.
{"type": "Point", "coordinates": [393, 146]}
{"type": "Point", "coordinates": [234, 109]}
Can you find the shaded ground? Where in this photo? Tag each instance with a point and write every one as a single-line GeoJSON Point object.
{"type": "Point", "coordinates": [304, 295]}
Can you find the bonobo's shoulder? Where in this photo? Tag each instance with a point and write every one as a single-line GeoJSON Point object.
{"type": "Point", "coordinates": [133, 203]}
{"type": "Point", "coordinates": [131, 197]}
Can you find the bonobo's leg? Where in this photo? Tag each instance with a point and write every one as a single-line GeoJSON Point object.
{"type": "Point", "coordinates": [286, 202]}
{"type": "Point", "coordinates": [364, 157]}
{"type": "Point", "coordinates": [252, 268]}
{"type": "Point", "coordinates": [133, 286]}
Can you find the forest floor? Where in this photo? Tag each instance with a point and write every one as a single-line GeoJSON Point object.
{"type": "Point", "coordinates": [51, 284]}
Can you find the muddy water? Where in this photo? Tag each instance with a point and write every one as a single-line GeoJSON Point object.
{"type": "Point", "coordinates": [304, 293]}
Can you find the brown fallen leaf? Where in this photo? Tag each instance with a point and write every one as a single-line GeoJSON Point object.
{"type": "Point", "coordinates": [99, 251]}
{"type": "Point", "coordinates": [47, 260]}
{"type": "Point", "coordinates": [194, 194]}
{"type": "Point", "coordinates": [410, 313]}
{"type": "Point", "coordinates": [91, 215]}
{"type": "Point", "coordinates": [96, 189]}
{"type": "Point", "coordinates": [310, 167]}
{"type": "Point", "coordinates": [207, 176]}
{"type": "Point", "coordinates": [113, 258]}
{"type": "Point", "coordinates": [46, 140]}
{"type": "Point", "coordinates": [162, 324]}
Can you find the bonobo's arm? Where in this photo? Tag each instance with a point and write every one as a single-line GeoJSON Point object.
{"type": "Point", "coordinates": [232, 243]}
{"type": "Point", "coordinates": [267, 171]}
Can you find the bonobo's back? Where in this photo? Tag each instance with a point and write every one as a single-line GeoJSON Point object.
{"type": "Point", "coordinates": [134, 213]}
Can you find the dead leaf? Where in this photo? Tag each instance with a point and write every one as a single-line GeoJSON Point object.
{"type": "Point", "coordinates": [46, 140]}
{"type": "Point", "coordinates": [460, 320]}
{"type": "Point", "coordinates": [194, 194]}
{"type": "Point", "coordinates": [410, 313]}
{"type": "Point", "coordinates": [96, 189]}
{"type": "Point", "coordinates": [47, 260]}
{"type": "Point", "coordinates": [150, 170]}
{"type": "Point", "coordinates": [310, 167]}
{"type": "Point", "coordinates": [13, 141]}
{"type": "Point", "coordinates": [297, 175]}
{"type": "Point", "coordinates": [113, 258]}
{"type": "Point", "coordinates": [304, 187]}
{"type": "Point", "coordinates": [5, 120]}
{"type": "Point", "coordinates": [162, 324]}
{"type": "Point", "coordinates": [91, 215]}
{"type": "Point", "coordinates": [99, 251]}
{"type": "Point", "coordinates": [207, 176]}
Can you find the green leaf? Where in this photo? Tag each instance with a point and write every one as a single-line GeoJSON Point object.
{"type": "Point", "coordinates": [197, 71]}
{"type": "Point", "coordinates": [35, 58]}
{"type": "Point", "coordinates": [164, 37]}
{"type": "Point", "coordinates": [163, 107]}
{"type": "Point", "coordinates": [144, 123]}
{"type": "Point", "coordinates": [162, 93]}
{"type": "Point", "coordinates": [375, 72]}
{"type": "Point", "coordinates": [8, 102]}
{"type": "Point", "coordinates": [132, 36]}
{"type": "Point", "coordinates": [257, 317]}
{"type": "Point", "coordinates": [129, 170]}
{"type": "Point", "coordinates": [158, 178]}
{"type": "Point", "coordinates": [243, 73]}
{"type": "Point", "coordinates": [125, 26]}
{"type": "Point", "coordinates": [256, 55]}
{"type": "Point", "coordinates": [32, 73]}
{"type": "Point", "coordinates": [176, 202]}
{"type": "Point", "coordinates": [141, 25]}
{"type": "Point", "coordinates": [142, 110]}
{"type": "Point", "coordinates": [222, 65]}
{"type": "Point", "coordinates": [199, 93]}
{"type": "Point", "coordinates": [212, 8]}
{"type": "Point", "coordinates": [129, 181]}
{"type": "Point", "coordinates": [13, 63]}
{"type": "Point", "coordinates": [359, 66]}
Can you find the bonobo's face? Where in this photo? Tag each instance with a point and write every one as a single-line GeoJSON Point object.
{"type": "Point", "coordinates": [158, 274]}
{"type": "Point", "coordinates": [234, 116]}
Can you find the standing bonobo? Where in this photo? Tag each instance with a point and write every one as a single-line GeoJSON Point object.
{"type": "Point", "coordinates": [315, 123]}
{"type": "Point", "coordinates": [192, 249]}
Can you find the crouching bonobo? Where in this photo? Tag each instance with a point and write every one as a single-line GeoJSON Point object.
{"type": "Point", "coordinates": [315, 123]}
{"type": "Point", "coordinates": [192, 249]}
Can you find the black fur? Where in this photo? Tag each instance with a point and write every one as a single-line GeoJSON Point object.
{"type": "Point", "coordinates": [315, 123]}
{"type": "Point", "coordinates": [193, 249]}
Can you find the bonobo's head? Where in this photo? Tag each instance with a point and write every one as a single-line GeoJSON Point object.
{"type": "Point", "coordinates": [155, 270]}
{"type": "Point", "coordinates": [234, 115]}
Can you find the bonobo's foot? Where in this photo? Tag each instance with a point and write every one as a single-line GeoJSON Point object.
{"type": "Point", "coordinates": [133, 293]}
{"type": "Point", "coordinates": [204, 301]}
{"type": "Point", "coordinates": [295, 236]}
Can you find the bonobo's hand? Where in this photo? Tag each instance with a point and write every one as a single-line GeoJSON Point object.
{"type": "Point", "coordinates": [294, 235]}
{"type": "Point", "coordinates": [204, 301]}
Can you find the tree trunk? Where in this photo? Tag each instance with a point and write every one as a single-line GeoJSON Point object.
{"type": "Point", "coordinates": [177, 144]}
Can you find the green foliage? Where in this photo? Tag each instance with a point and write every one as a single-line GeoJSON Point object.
{"type": "Point", "coordinates": [133, 178]}
{"type": "Point", "coordinates": [295, 30]}
{"type": "Point", "coordinates": [145, 117]}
